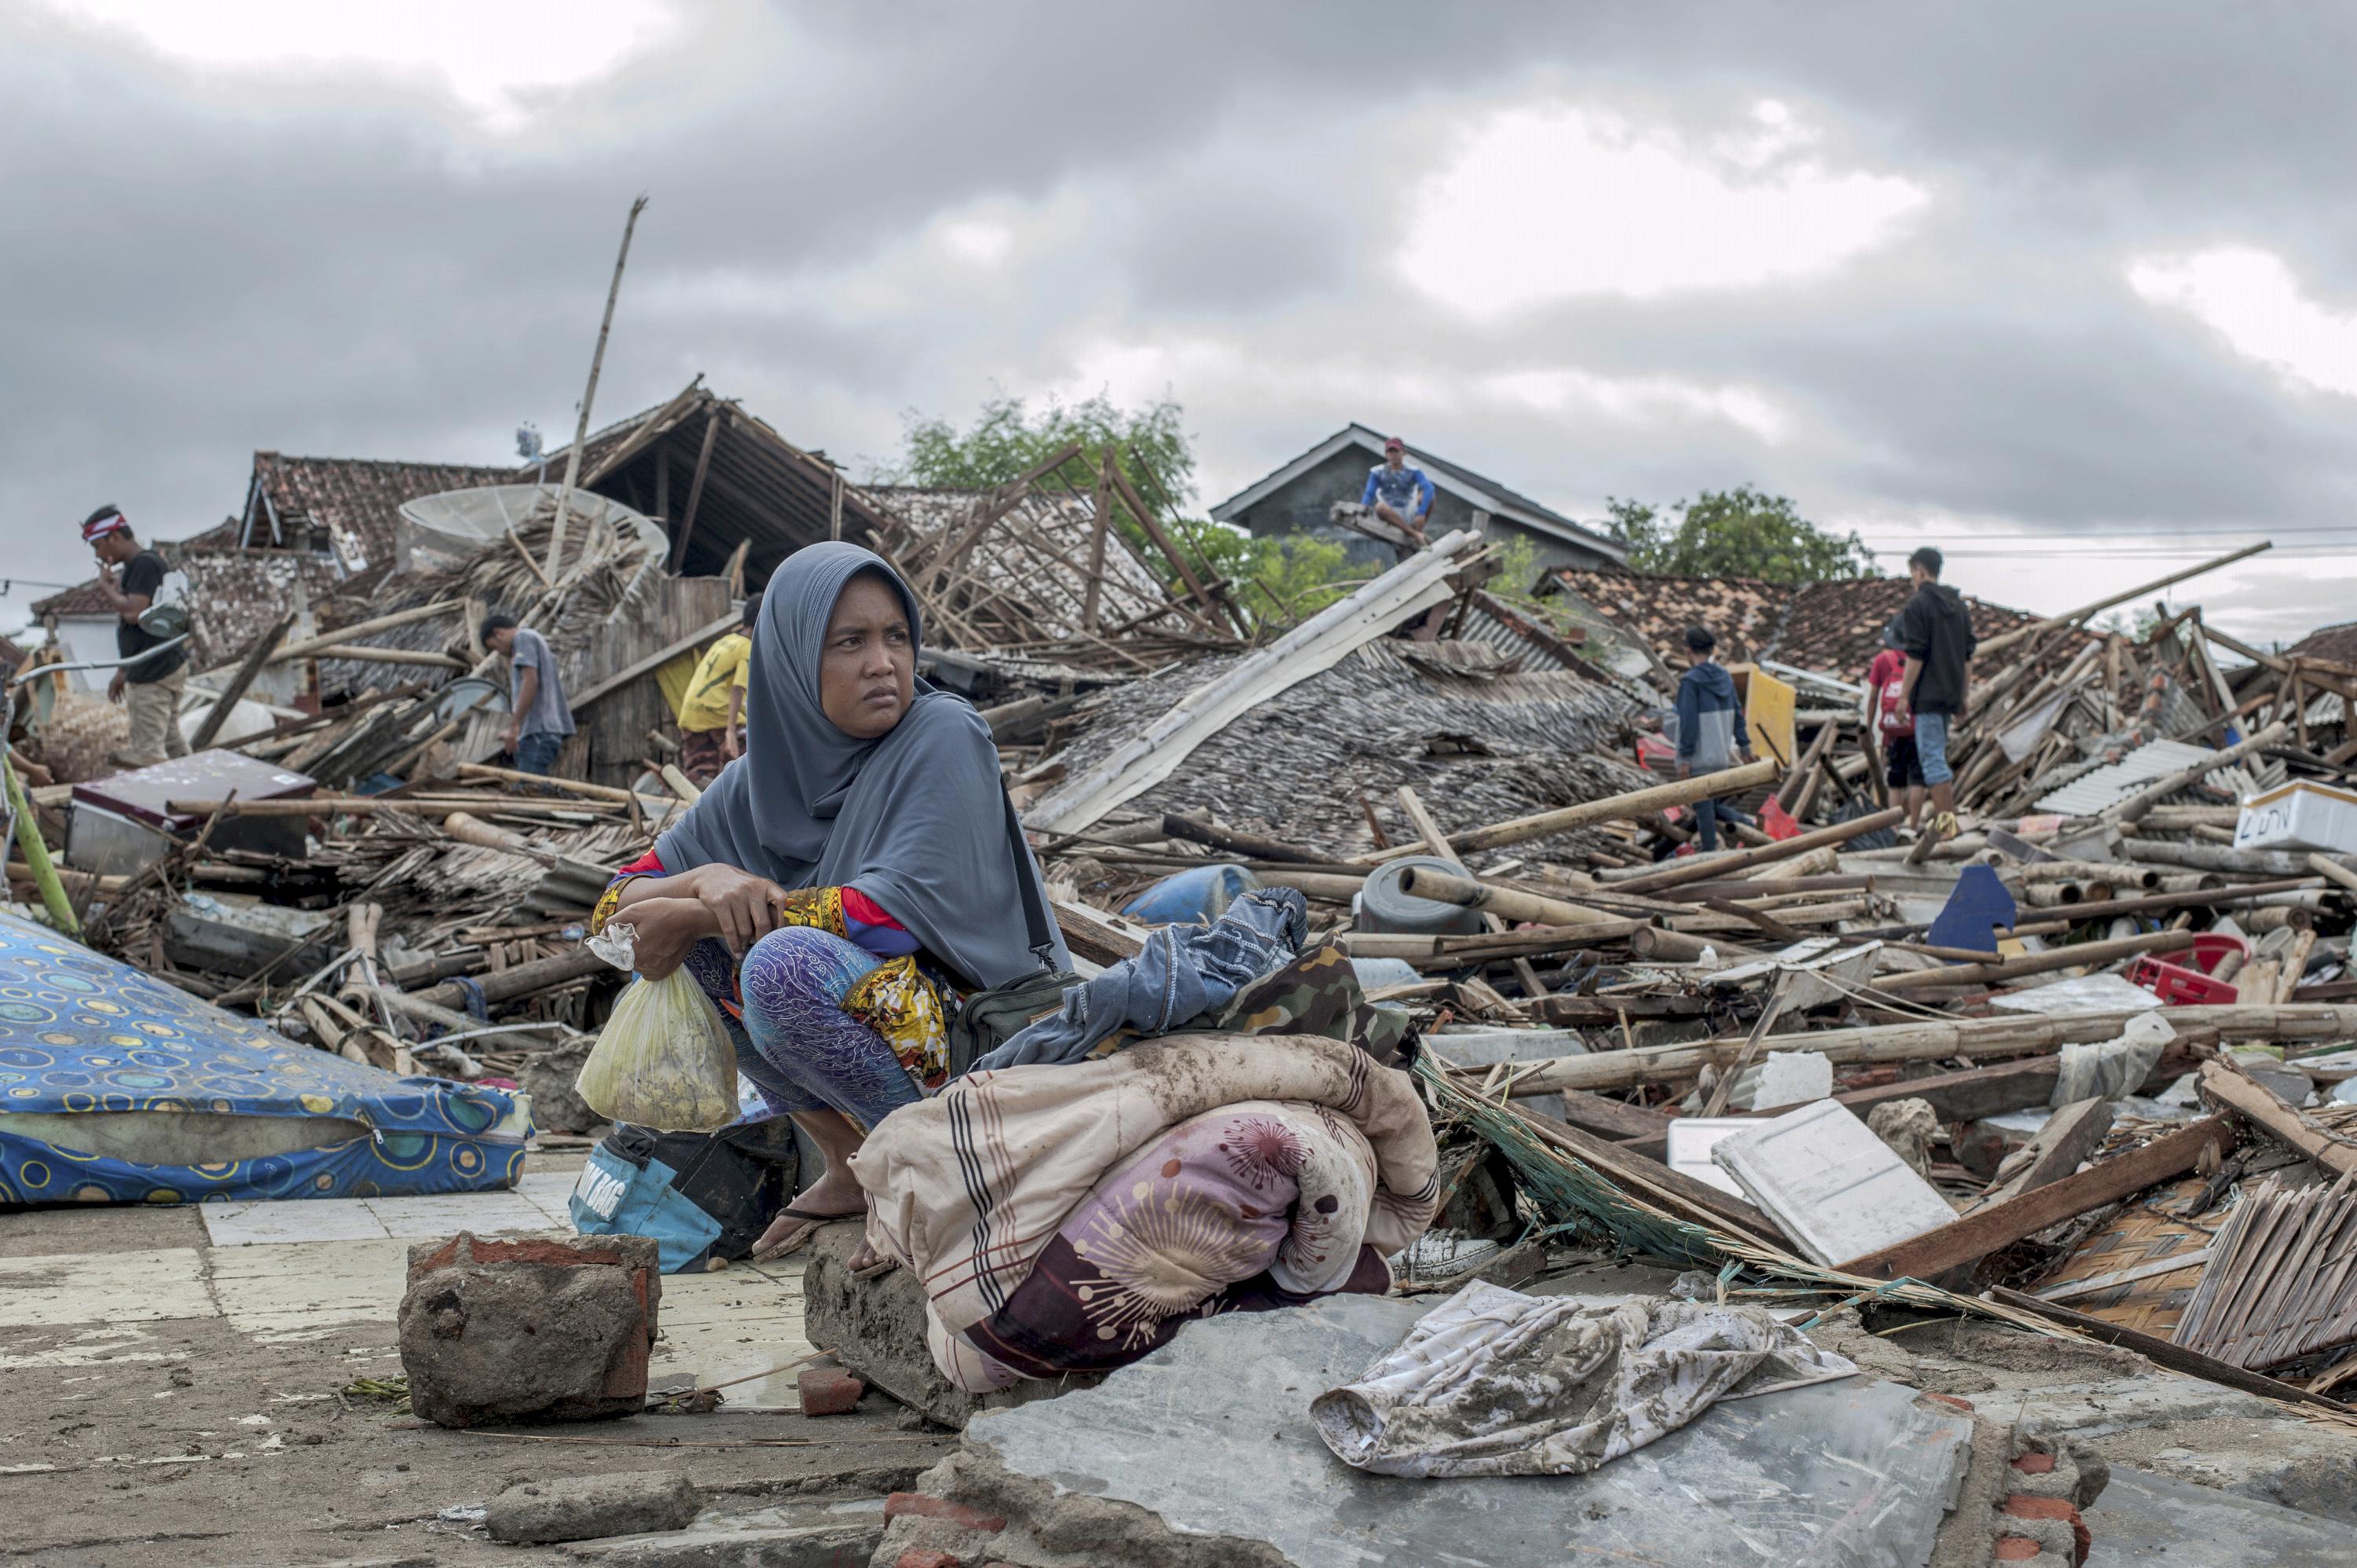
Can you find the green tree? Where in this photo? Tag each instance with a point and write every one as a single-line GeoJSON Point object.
{"type": "Point", "coordinates": [1010, 437]}
{"type": "Point", "coordinates": [1741, 532]}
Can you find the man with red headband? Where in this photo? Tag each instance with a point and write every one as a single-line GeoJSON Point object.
{"type": "Point", "coordinates": [150, 688]}
{"type": "Point", "coordinates": [1401, 496]}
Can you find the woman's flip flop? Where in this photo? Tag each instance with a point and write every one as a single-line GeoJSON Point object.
{"type": "Point", "coordinates": [800, 1239]}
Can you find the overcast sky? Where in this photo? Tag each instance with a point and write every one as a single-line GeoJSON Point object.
{"type": "Point", "coordinates": [2070, 290]}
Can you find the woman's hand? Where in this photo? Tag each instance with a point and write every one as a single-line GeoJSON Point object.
{"type": "Point", "coordinates": [667, 928]}
{"type": "Point", "coordinates": [745, 905]}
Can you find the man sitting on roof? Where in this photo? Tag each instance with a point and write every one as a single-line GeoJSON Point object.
{"type": "Point", "coordinates": [1401, 496]}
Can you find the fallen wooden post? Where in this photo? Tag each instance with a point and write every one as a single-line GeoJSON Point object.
{"type": "Point", "coordinates": [2289, 1126]}
{"type": "Point", "coordinates": [1977, 1235]}
{"type": "Point", "coordinates": [2093, 953]}
{"type": "Point", "coordinates": [1702, 867]}
{"type": "Point", "coordinates": [1613, 809]}
{"type": "Point", "coordinates": [1934, 1039]}
{"type": "Point", "coordinates": [1507, 903]}
{"type": "Point", "coordinates": [2176, 1358]}
{"type": "Point", "coordinates": [523, 980]}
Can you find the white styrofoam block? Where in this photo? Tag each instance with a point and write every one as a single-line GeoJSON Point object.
{"type": "Point", "coordinates": [1692, 1138]}
{"type": "Point", "coordinates": [2302, 815]}
{"type": "Point", "coordinates": [1793, 1078]}
{"type": "Point", "coordinates": [1833, 1187]}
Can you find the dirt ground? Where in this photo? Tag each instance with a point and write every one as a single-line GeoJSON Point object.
{"type": "Point", "coordinates": [164, 1400]}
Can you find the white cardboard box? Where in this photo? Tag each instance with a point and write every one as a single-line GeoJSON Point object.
{"type": "Point", "coordinates": [2301, 815]}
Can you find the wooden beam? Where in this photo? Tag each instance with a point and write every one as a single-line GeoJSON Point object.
{"type": "Point", "coordinates": [2093, 953]}
{"type": "Point", "coordinates": [1937, 1039]}
{"type": "Point", "coordinates": [256, 657]}
{"type": "Point", "coordinates": [1101, 515]}
{"type": "Point", "coordinates": [1975, 1236]}
{"type": "Point", "coordinates": [1613, 809]}
{"type": "Point", "coordinates": [2293, 1129]}
{"type": "Point", "coordinates": [686, 530]}
{"type": "Point", "coordinates": [655, 661]}
{"type": "Point", "coordinates": [1999, 643]}
{"type": "Point", "coordinates": [1702, 866]}
{"type": "Point", "coordinates": [2176, 1358]}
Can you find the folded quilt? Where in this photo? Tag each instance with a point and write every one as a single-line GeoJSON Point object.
{"type": "Point", "coordinates": [970, 1188]}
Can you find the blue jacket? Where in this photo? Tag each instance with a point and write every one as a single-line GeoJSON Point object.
{"type": "Point", "coordinates": [1710, 720]}
{"type": "Point", "coordinates": [1395, 489]}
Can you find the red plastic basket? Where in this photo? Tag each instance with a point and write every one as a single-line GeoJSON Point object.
{"type": "Point", "coordinates": [2180, 986]}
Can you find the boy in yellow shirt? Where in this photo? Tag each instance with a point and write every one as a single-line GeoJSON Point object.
{"type": "Point", "coordinates": [711, 718]}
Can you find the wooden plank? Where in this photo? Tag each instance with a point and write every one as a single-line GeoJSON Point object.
{"type": "Point", "coordinates": [1975, 1236]}
{"type": "Point", "coordinates": [655, 661]}
{"type": "Point", "coordinates": [2098, 1284]}
{"type": "Point", "coordinates": [2294, 1129]}
{"type": "Point", "coordinates": [256, 657]}
{"type": "Point", "coordinates": [1615, 1119]}
{"type": "Point", "coordinates": [696, 489]}
{"type": "Point", "coordinates": [1967, 1095]}
{"type": "Point", "coordinates": [1703, 867]}
{"type": "Point", "coordinates": [1095, 935]}
{"type": "Point", "coordinates": [2071, 1135]}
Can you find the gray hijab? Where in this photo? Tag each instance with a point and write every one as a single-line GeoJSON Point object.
{"type": "Point", "coordinates": [914, 820]}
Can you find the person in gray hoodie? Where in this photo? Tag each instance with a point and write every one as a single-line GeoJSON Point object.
{"type": "Point", "coordinates": [1712, 734]}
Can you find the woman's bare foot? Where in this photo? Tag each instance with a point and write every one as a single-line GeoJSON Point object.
{"type": "Point", "coordinates": [835, 1195]}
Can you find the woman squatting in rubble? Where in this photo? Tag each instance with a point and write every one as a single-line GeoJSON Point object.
{"type": "Point", "coordinates": [844, 883]}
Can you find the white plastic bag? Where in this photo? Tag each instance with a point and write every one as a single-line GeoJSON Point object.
{"type": "Point", "coordinates": [664, 1059]}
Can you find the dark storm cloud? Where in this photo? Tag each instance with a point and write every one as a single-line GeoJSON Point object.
{"type": "Point", "coordinates": [198, 269]}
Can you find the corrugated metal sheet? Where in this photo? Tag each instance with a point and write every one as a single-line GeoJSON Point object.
{"type": "Point", "coordinates": [2109, 785]}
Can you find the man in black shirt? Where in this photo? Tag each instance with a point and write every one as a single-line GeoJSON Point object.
{"type": "Point", "coordinates": [1935, 632]}
{"type": "Point", "coordinates": [150, 688]}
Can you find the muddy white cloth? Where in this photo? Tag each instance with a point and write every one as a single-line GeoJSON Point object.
{"type": "Point", "coordinates": [1494, 1383]}
{"type": "Point", "coordinates": [2109, 1069]}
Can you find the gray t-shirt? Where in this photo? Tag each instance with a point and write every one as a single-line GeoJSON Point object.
{"type": "Point", "coordinates": [550, 713]}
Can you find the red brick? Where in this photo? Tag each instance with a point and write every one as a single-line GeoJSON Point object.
{"type": "Point", "coordinates": [903, 1504]}
{"type": "Point", "coordinates": [2016, 1549]}
{"type": "Point", "coordinates": [2036, 1464]}
{"type": "Point", "coordinates": [2022, 1505]}
{"type": "Point", "coordinates": [926, 1557]}
{"type": "Point", "coordinates": [829, 1391]}
{"type": "Point", "coordinates": [1952, 1402]}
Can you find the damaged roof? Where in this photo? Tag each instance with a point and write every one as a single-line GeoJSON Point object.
{"type": "Point", "coordinates": [344, 508]}
{"type": "Point", "coordinates": [1834, 627]}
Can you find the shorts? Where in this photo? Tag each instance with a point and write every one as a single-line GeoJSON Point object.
{"type": "Point", "coordinates": [1906, 769]}
{"type": "Point", "coordinates": [1932, 746]}
{"type": "Point", "coordinates": [702, 754]}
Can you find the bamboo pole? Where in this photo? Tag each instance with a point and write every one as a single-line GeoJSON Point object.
{"type": "Point", "coordinates": [590, 396]}
{"type": "Point", "coordinates": [1613, 808]}
{"type": "Point", "coordinates": [2039, 963]}
{"type": "Point", "coordinates": [2039, 629]}
{"type": "Point", "coordinates": [36, 849]}
{"type": "Point", "coordinates": [1699, 867]}
{"type": "Point", "coordinates": [1507, 903]}
{"type": "Point", "coordinates": [1933, 1039]}
{"type": "Point", "coordinates": [229, 695]}
{"type": "Point", "coordinates": [2151, 795]}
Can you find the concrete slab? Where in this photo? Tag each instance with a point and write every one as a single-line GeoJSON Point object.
{"type": "Point", "coordinates": [1211, 1433]}
{"type": "Point", "coordinates": [1837, 1190]}
{"type": "Point", "coordinates": [716, 1328]}
{"type": "Point", "coordinates": [1691, 1140]}
{"type": "Point", "coordinates": [2143, 1519]}
{"type": "Point", "coordinates": [136, 1286]}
